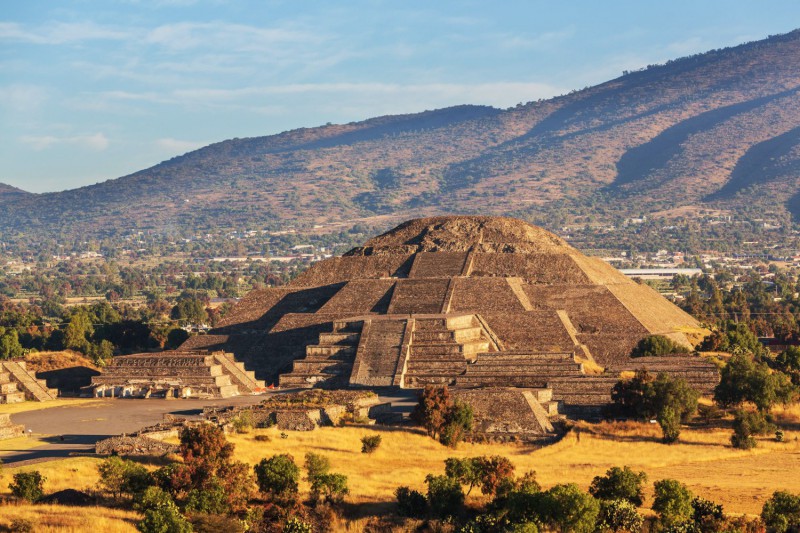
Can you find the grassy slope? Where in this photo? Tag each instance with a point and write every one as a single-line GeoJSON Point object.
{"type": "Point", "coordinates": [703, 459]}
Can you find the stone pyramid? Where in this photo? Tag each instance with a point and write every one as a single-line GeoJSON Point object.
{"type": "Point", "coordinates": [463, 300]}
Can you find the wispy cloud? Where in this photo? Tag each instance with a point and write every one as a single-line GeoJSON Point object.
{"type": "Point", "coordinates": [240, 37]}
{"type": "Point", "coordinates": [97, 142]}
{"type": "Point", "coordinates": [60, 32]}
{"type": "Point", "coordinates": [22, 98]}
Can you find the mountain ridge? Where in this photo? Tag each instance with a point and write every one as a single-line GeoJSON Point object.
{"type": "Point", "coordinates": [711, 130]}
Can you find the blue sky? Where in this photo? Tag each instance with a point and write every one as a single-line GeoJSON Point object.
{"type": "Point", "coordinates": [92, 90]}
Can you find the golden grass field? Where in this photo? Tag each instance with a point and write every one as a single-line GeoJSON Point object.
{"type": "Point", "coordinates": [703, 459]}
{"type": "Point", "coordinates": [60, 518]}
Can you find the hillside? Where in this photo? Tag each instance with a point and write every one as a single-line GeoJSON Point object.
{"type": "Point", "coordinates": [716, 130]}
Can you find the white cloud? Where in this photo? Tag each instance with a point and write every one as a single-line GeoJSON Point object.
{"type": "Point", "coordinates": [220, 35]}
{"type": "Point", "coordinates": [22, 98]}
{"type": "Point", "coordinates": [178, 146]}
{"type": "Point", "coordinates": [60, 32]}
{"type": "Point", "coordinates": [97, 142]}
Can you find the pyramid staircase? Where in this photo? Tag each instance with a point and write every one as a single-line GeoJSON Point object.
{"type": "Point", "coordinates": [329, 362]}
{"type": "Point", "coordinates": [244, 379]}
{"type": "Point", "coordinates": [17, 384]}
{"type": "Point", "coordinates": [519, 369]}
{"type": "Point", "coordinates": [440, 349]}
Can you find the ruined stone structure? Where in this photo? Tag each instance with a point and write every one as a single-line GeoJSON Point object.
{"type": "Point", "coordinates": [181, 374]}
{"type": "Point", "coordinates": [17, 384]}
{"type": "Point", "coordinates": [511, 413]}
{"type": "Point", "coordinates": [463, 301]}
{"type": "Point", "coordinates": [9, 430]}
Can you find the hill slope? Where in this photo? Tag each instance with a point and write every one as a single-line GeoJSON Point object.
{"type": "Point", "coordinates": [713, 130]}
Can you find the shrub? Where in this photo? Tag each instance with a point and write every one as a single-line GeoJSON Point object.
{"type": "Point", "coordinates": [295, 525]}
{"type": "Point", "coordinates": [211, 499]}
{"type": "Point", "coordinates": [781, 512]}
{"type": "Point", "coordinates": [445, 419]}
{"type": "Point", "coordinates": [619, 515]}
{"type": "Point", "coordinates": [708, 516]}
{"type": "Point", "coordinates": [205, 449]}
{"type": "Point", "coordinates": [28, 485]}
{"type": "Point", "coordinates": [22, 525]}
{"type": "Point", "coordinates": [370, 443]}
{"type": "Point", "coordinates": [121, 476]}
{"type": "Point", "coordinates": [278, 475]}
{"type": "Point", "coordinates": [619, 484]}
{"type": "Point", "coordinates": [410, 503]}
{"type": "Point", "coordinates": [316, 465]}
{"type": "Point", "coordinates": [669, 400]}
{"type": "Point", "coordinates": [745, 425]}
{"type": "Point", "coordinates": [445, 496]}
{"type": "Point", "coordinates": [161, 515]}
{"type": "Point", "coordinates": [332, 486]}
{"type": "Point", "coordinates": [243, 422]}
{"type": "Point", "coordinates": [568, 508]}
{"type": "Point", "coordinates": [673, 502]}
{"type": "Point", "coordinates": [742, 379]}
{"type": "Point", "coordinates": [654, 345]}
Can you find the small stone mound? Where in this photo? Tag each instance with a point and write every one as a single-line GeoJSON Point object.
{"type": "Point", "coordinates": [133, 445]}
{"type": "Point", "coordinates": [69, 497]}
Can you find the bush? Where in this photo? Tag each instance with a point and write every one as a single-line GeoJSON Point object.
{"type": "Point", "coordinates": [445, 496]}
{"type": "Point", "coordinates": [243, 422]}
{"type": "Point", "coordinates": [370, 443]}
{"type": "Point", "coordinates": [619, 484]}
{"type": "Point", "coordinates": [28, 485]}
{"type": "Point", "coordinates": [332, 486]}
{"type": "Point", "coordinates": [410, 503]}
{"type": "Point", "coordinates": [568, 508]}
{"type": "Point", "coordinates": [161, 515]}
{"type": "Point", "coordinates": [295, 525]}
{"type": "Point", "coordinates": [655, 345]}
{"type": "Point", "coordinates": [781, 512]}
{"type": "Point", "coordinates": [445, 419]}
{"type": "Point", "coordinates": [121, 476]}
{"type": "Point", "coordinates": [277, 475]}
{"type": "Point", "coordinates": [210, 499]}
{"type": "Point", "coordinates": [742, 379]}
{"type": "Point", "coordinates": [708, 516]}
{"type": "Point", "coordinates": [745, 425]}
{"type": "Point", "coordinates": [316, 465]}
{"type": "Point", "coordinates": [673, 502]}
{"type": "Point", "coordinates": [619, 515]}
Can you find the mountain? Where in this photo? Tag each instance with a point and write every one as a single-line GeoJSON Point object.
{"type": "Point", "coordinates": [718, 130]}
{"type": "Point", "coordinates": [9, 192]}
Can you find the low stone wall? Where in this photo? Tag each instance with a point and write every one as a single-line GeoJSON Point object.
{"type": "Point", "coordinates": [133, 445]}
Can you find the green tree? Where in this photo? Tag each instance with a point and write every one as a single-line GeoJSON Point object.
{"type": "Point", "coordinates": [655, 345]}
{"type": "Point", "coordinates": [568, 508]}
{"type": "Point", "coordinates": [189, 311]}
{"type": "Point", "coordinates": [332, 486]}
{"type": "Point", "coordinates": [161, 515]}
{"type": "Point", "coordinates": [745, 425]}
{"type": "Point", "coordinates": [410, 503]}
{"type": "Point", "coordinates": [742, 379]}
{"type": "Point", "coordinates": [619, 515]}
{"type": "Point", "coordinates": [121, 476]}
{"type": "Point", "coordinates": [278, 475]}
{"type": "Point", "coordinates": [620, 484]}
{"type": "Point", "coordinates": [78, 331]}
{"type": "Point", "coordinates": [316, 465]}
{"type": "Point", "coordinates": [458, 424]}
{"type": "Point", "coordinates": [707, 516]}
{"type": "Point", "coordinates": [672, 502]}
{"type": "Point", "coordinates": [445, 496]}
{"type": "Point", "coordinates": [28, 485]}
{"type": "Point", "coordinates": [781, 512]}
{"type": "Point", "coordinates": [10, 347]}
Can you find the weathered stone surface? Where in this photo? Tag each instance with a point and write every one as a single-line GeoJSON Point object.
{"type": "Point", "coordinates": [464, 301]}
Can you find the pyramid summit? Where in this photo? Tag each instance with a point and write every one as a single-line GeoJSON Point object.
{"type": "Point", "coordinates": [466, 301]}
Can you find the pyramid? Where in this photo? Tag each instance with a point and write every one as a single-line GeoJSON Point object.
{"type": "Point", "coordinates": [466, 301]}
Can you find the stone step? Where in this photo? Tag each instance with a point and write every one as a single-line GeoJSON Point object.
{"type": "Point", "coordinates": [5, 377]}
{"type": "Point", "coordinates": [421, 381]}
{"type": "Point", "coordinates": [122, 380]}
{"type": "Point", "coordinates": [12, 397]}
{"type": "Point", "coordinates": [448, 348]}
{"type": "Point", "coordinates": [446, 335]}
{"type": "Point", "coordinates": [8, 388]}
{"type": "Point", "coordinates": [340, 326]}
{"type": "Point", "coordinates": [330, 350]}
{"type": "Point", "coordinates": [304, 366]}
{"type": "Point", "coordinates": [338, 338]}
{"type": "Point", "coordinates": [526, 356]}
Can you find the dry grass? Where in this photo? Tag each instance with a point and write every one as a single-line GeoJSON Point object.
{"type": "Point", "coordinates": [12, 408]}
{"type": "Point", "coordinates": [44, 361]}
{"type": "Point", "coordinates": [61, 518]}
{"type": "Point", "coordinates": [704, 459]}
{"type": "Point", "coordinates": [21, 443]}
{"type": "Point", "coordinates": [78, 473]}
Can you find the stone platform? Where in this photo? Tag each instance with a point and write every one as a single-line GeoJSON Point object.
{"type": "Point", "coordinates": [176, 374]}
